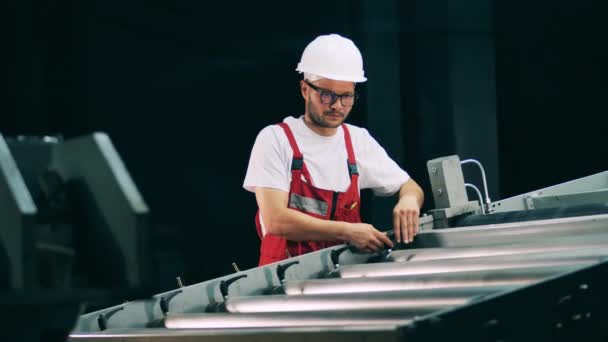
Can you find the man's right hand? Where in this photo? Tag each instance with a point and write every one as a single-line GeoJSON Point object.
{"type": "Point", "coordinates": [367, 238]}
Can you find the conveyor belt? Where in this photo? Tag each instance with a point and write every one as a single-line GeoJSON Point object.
{"type": "Point", "coordinates": [446, 275]}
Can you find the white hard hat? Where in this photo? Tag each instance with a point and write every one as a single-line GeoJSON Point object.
{"type": "Point", "coordinates": [333, 56]}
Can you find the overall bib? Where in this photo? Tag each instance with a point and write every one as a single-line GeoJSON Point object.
{"type": "Point", "coordinates": [320, 203]}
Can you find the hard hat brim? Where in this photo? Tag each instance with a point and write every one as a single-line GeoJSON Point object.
{"type": "Point", "coordinates": [335, 77]}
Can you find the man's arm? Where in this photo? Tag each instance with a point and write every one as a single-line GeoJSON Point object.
{"type": "Point", "coordinates": [296, 226]}
{"type": "Point", "coordinates": [407, 211]}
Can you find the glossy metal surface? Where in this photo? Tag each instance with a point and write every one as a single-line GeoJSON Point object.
{"type": "Point", "coordinates": [510, 277]}
{"type": "Point", "coordinates": [387, 269]}
{"type": "Point", "coordinates": [287, 319]}
{"type": "Point", "coordinates": [509, 233]}
{"type": "Point", "coordinates": [298, 334]}
{"type": "Point", "coordinates": [588, 247]}
{"type": "Point", "coordinates": [418, 301]}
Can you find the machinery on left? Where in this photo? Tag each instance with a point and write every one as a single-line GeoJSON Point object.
{"type": "Point", "coordinates": [74, 229]}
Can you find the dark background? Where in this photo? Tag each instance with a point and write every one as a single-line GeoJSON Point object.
{"type": "Point", "coordinates": [183, 87]}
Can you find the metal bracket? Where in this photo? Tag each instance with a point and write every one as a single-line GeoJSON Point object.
{"type": "Point", "coordinates": [225, 284]}
{"type": "Point", "coordinates": [447, 182]}
{"type": "Point", "coordinates": [282, 268]}
{"type": "Point", "coordinates": [165, 300]}
{"type": "Point", "coordinates": [335, 255]}
{"type": "Point", "coordinates": [102, 319]}
{"type": "Point", "coordinates": [529, 201]}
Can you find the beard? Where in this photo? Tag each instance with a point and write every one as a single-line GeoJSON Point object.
{"type": "Point", "coordinates": [318, 119]}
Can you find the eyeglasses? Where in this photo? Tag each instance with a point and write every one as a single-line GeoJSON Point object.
{"type": "Point", "coordinates": [328, 97]}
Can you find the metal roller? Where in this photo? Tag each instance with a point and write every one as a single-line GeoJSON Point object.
{"type": "Point", "coordinates": [509, 233]}
{"type": "Point", "coordinates": [509, 277]}
{"type": "Point", "coordinates": [287, 319]}
{"type": "Point", "coordinates": [584, 248]}
{"type": "Point", "coordinates": [279, 334]}
{"type": "Point", "coordinates": [387, 269]}
{"type": "Point", "coordinates": [417, 301]}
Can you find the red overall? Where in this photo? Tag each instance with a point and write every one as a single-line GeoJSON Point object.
{"type": "Point", "coordinates": [320, 203]}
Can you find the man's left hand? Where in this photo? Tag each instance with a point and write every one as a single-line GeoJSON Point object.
{"type": "Point", "coordinates": [406, 218]}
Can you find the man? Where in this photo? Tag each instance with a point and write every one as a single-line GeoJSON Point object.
{"type": "Point", "coordinates": [306, 172]}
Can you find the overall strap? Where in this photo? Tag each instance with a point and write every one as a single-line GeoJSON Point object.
{"type": "Point", "coordinates": [352, 162]}
{"type": "Point", "coordinates": [292, 140]}
{"type": "Point", "coordinates": [297, 163]}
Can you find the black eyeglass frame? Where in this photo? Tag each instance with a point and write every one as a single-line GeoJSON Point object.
{"type": "Point", "coordinates": [333, 96]}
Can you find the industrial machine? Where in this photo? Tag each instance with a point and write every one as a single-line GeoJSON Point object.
{"type": "Point", "coordinates": [64, 206]}
{"type": "Point", "coordinates": [531, 267]}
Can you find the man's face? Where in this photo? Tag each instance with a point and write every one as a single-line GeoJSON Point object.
{"type": "Point", "coordinates": [327, 115]}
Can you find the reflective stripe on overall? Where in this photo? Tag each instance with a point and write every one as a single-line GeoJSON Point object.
{"type": "Point", "coordinates": [320, 203]}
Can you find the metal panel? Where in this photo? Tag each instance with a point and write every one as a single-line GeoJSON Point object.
{"type": "Point", "coordinates": [580, 198]}
{"type": "Point", "coordinates": [506, 233]}
{"type": "Point", "coordinates": [18, 220]}
{"type": "Point", "coordinates": [110, 202]}
{"type": "Point", "coordinates": [447, 182]}
{"type": "Point", "coordinates": [590, 183]}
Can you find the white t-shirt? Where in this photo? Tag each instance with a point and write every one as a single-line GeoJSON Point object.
{"type": "Point", "coordinates": [325, 158]}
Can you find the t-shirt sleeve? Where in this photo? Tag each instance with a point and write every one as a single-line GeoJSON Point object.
{"type": "Point", "coordinates": [378, 171]}
{"type": "Point", "coordinates": [268, 164]}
